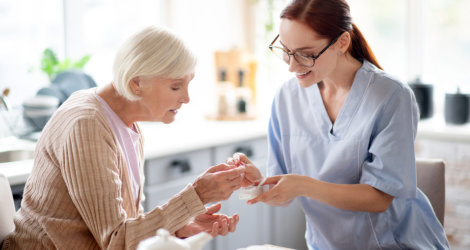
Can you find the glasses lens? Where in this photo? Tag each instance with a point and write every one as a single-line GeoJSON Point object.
{"type": "Point", "coordinates": [304, 60]}
{"type": "Point", "coordinates": [279, 52]}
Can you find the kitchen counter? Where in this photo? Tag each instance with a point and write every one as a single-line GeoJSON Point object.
{"type": "Point", "coordinates": [162, 139]}
{"type": "Point", "coordinates": [185, 136]}
{"type": "Point", "coordinates": [436, 128]}
{"type": "Point", "coordinates": [17, 171]}
{"type": "Point", "coordinates": [159, 140]}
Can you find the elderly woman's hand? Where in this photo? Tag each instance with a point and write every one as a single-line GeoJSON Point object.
{"type": "Point", "coordinates": [252, 174]}
{"type": "Point", "coordinates": [219, 182]}
{"type": "Point", "coordinates": [214, 224]}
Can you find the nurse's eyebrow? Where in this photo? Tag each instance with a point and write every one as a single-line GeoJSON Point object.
{"type": "Point", "coordinates": [302, 48]}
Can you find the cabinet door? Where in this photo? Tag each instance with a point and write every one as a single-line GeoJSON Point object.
{"type": "Point", "coordinates": [254, 225]}
{"type": "Point", "coordinates": [158, 195]}
{"type": "Point", "coordinates": [176, 166]}
{"type": "Point", "coordinates": [288, 226]}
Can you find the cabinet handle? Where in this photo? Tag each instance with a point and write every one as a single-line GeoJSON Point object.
{"type": "Point", "coordinates": [245, 150]}
{"type": "Point", "coordinates": [183, 165]}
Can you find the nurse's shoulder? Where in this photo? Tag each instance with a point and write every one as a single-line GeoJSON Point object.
{"type": "Point", "coordinates": [384, 86]}
{"type": "Point", "coordinates": [289, 90]}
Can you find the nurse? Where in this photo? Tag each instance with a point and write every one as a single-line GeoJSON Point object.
{"type": "Point", "coordinates": [341, 138]}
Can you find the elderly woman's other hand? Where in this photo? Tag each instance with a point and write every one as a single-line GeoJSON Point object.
{"type": "Point", "coordinates": [214, 224]}
{"type": "Point", "coordinates": [252, 174]}
{"type": "Point", "coordinates": [219, 182]}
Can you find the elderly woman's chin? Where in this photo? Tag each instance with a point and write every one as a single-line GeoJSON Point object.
{"type": "Point", "coordinates": [168, 119]}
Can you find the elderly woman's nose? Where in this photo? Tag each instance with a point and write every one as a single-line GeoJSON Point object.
{"type": "Point", "coordinates": [185, 97]}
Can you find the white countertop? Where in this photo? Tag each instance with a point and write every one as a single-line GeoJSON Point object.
{"type": "Point", "coordinates": [165, 139]}
{"type": "Point", "coordinates": [17, 172]}
{"type": "Point", "coordinates": [436, 128]}
{"type": "Point", "coordinates": [159, 140]}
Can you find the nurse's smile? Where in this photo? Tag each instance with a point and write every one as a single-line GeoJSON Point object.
{"type": "Point", "coordinates": [303, 75]}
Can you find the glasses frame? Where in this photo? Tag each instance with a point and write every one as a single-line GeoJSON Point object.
{"type": "Point", "coordinates": [294, 53]}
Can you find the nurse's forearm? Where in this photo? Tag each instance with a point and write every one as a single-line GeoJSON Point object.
{"type": "Point", "coordinates": [355, 197]}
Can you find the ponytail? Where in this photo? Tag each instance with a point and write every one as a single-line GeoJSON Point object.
{"type": "Point", "coordinates": [359, 47]}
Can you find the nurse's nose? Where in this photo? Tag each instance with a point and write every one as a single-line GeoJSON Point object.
{"type": "Point", "coordinates": [293, 64]}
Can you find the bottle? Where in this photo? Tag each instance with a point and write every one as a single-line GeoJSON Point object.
{"type": "Point", "coordinates": [243, 94]}
{"type": "Point", "coordinates": [224, 96]}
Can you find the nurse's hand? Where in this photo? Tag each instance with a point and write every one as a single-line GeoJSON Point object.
{"type": "Point", "coordinates": [285, 189]}
{"type": "Point", "coordinates": [252, 174]}
{"type": "Point", "coordinates": [219, 182]}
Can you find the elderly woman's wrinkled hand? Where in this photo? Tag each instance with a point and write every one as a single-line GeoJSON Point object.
{"type": "Point", "coordinates": [210, 222]}
{"type": "Point", "coordinates": [252, 174]}
{"type": "Point", "coordinates": [219, 182]}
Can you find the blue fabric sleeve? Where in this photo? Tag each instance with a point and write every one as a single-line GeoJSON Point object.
{"type": "Point", "coordinates": [275, 162]}
{"type": "Point", "coordinates": [390, 166]}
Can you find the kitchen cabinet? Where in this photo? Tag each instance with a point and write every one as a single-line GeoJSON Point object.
{"type": "Point", "coordinates": [254, 225]}
{"type": "Point", "coordinates": [288, 226]}
{"type": "Point", "coordinates": [259, 223]}
{"type": "Point", "coordinates": [168, 175]}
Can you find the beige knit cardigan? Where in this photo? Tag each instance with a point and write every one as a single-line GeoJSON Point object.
{"type": "Point", "coordinates": [79, 195]}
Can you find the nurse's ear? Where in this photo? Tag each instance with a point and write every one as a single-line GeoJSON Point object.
{"type": "Point", "coordinates": [343, 42]}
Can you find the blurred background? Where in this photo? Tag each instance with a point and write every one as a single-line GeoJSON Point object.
{"type": "Point", "coordinates": [411, 38]}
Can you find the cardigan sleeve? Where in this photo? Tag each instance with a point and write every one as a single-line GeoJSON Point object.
{"type": "Point", "coordinates": [91, 167]}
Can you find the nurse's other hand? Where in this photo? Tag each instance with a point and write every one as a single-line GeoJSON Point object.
{"type": "Point", "coordinates": [285, 189]}
{"type": "Point", "coordinates": [252, 174]}
{"type": "Point", "coordinates": [219, 182]}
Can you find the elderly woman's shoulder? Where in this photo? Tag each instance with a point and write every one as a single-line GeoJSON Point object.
{"type": "Point", "coordinates": [81, 105]}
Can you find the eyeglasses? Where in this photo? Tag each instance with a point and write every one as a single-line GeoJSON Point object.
{"type": "Point", "coordinates": [304, 59]}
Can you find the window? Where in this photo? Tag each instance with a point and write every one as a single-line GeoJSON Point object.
{"type": "Point", "coordinates": [384, 25]}
{"type": "Point", "coordinates": [72, 29]}
{"type": "Point", "coordinates": [429, 40]}
{"type": "Point", "coordinates": [27, 27]}
{"type": "Point", "coordinates": [446, 44]}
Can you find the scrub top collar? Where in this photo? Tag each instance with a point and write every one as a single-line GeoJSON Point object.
{"type": "Point", "coordinates": [350, 106]}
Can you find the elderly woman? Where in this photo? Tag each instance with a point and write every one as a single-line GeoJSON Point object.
{"type": "Point", "coordinates": [85, 189]}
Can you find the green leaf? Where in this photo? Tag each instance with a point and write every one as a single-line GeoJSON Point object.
{"type": "Point", "coordinates": [51, 65]}
{"type": "Point", "coordinates": [81, 63]}
{"type": "Point", "coordinates": [48, 62]}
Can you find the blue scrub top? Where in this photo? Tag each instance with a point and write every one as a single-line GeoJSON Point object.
{"type": "Point", "coordinates": [371, 142]}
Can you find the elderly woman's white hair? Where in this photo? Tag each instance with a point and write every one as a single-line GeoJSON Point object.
{"type": "Point", "coordinates": [154, 51]}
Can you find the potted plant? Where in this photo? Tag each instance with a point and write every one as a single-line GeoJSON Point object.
{"type": "Point", "coordinates": [52, 66]}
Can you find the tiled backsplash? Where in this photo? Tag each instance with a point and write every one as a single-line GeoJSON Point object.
{"type": "Point", "coordinates": [457, 211]}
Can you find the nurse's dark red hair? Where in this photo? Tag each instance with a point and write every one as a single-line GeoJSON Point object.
{"type": "Point", "coordinates": [329, 18]}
